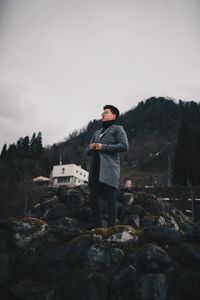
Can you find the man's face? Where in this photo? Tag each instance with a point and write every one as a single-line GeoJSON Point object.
{"type": "Point", "coordinates": [107, 115]}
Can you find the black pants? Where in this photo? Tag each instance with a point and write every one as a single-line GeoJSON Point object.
{"type": "Point", "coordinates": [101, 190]}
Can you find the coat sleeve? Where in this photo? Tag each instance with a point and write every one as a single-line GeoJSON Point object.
{"type": "Point", "coordinates": [121, 144]}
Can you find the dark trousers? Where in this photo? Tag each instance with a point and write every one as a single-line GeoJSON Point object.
{"type": "Point", "coordinates": [101, 190]}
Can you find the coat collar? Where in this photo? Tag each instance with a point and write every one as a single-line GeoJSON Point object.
{"type": "Point", "coordinates": [99, 132]}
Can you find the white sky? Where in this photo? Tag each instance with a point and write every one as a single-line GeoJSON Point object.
{"type": "Point", "coordinates": [61, 61]}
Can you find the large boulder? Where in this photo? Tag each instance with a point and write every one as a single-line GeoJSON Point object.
{"type": "Point", "coordinates": [5, 268]}
{"type": "Point", "coordinates": [73, 199]}
{"type": "Point", "coordinates": [162, 235]}
{"type": "Point", "coordinates": [123, 279]}
{"type": "Point", "coordinates": [102, 258]}
{"type": "Point", "coordinates": [185, 284]}
{"type": "Point", "coordinates": [151, 258]}
{"type": "Point", "coordinates": [27, 230]}
{"type": "Point", "coordinates": [151, 287]}
{"type": "Point", "coordinates": [32, 289]}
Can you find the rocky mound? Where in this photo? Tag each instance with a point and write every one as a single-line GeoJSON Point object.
{"type": "Point", "coordinates": [53, 253]}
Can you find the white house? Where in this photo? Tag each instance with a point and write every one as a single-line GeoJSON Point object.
{"type": "Point", "coordinates": [69, 174]}
{"type": "Point", "coordinates": [41, 180]}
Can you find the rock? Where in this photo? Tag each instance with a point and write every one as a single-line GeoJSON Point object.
{"type": "Point", "coordinates": [64, 221]}
{"type": "Point", "coordinates": [27, 262]}
{"type": "Point", "coordinates": [189, 255]}
{"type": "Point", "coordinates": [78, 250]}
{"type": "Point", "coordinates": [122, 280]}
{"type": "Point", "coordinates": [57, 258]}
{"type": "Point", "coordinates": [126, 199]}
{"type": "Point", "coordinates": [58, 211]}
{"type": "Point", "coordinates": [60, 189]}
{"type": "Point", "coordinates": [161, 221]}
{"type": "Point", "coordinates": [150, 203]}
{"type": "Point", "coordinates": [32, 290]}
{"type": "Point", "coordinates": [123, 237]}
{"type": "Point", "coordinates": [53, 264]}
{"type": "Point", "coordinates": [179, 216]}
{"type": "Point", "coordinates": [194, 234]}
{"type": "Point", "coordinates": [134, 221]}
{"type": "Point", "coordinates": [148, 220]}
{"type": "Point", "coordinates": [122, 213]}
{"type": "Point", "coordinates": [95, 288]}
{"type": "Point", "coordinates": [151, 287]}
{"type": "Point", "coordinates": [84, 215]}
{"type": "Point", "coordinates": [100, 257]}
{"type": "Point", "coordinates": [97, 238]}
{"type": "Point", "coordinates": [137, 210]}
{"type": "Point", "coordinates": [27, 230]}
{"type": "Point", "coordinates": [187, 229]}
{"type": "Point", "coordinates": [50, 192]}
{"type": "Point", "coordinates": [72, 199]}
{"type": "Point", "coordinates": [86, 286]}
{"type": "Point", "coordinates": [5, 268]}
{"type": "Point", "coordinates": [162, 235]}
{"type": "Point", "coordinates": [151, 258]}
{"type": "Point", "coordinates": [5, 240]}
{"type": "Point", "coordinates": [167, 220]}
{"type": "Point", "coordinates": [64, 229]}
{"type": "Point", "coordinates": [40, 208]}
{"type": "Point", "coordinates": [186, 284]}
{"type": "Point", "coordinates": [5, 224]}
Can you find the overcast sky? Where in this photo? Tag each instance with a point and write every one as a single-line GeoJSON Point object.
{"type": "Point", "coordinates": [62, 60]}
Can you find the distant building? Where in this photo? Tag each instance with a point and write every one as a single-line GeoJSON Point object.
{"type": "Point", "coordinates": [69, 174]}
{"type": "Point", "coordinates": [41, 180]}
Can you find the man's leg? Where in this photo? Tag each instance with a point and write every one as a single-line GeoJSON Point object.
{"type": "Point", "coordinates": [111, 195]}
{"type": "Point", "coordinates": [95, 206]}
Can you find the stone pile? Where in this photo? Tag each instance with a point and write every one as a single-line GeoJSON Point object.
{"type": "Point", "coordinates": [54, 254]}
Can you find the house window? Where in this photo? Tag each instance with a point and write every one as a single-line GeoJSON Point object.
{"type": "Point", "coordinates": [63, 179]}
{"type": "Point", "coordinates": [63, 170]}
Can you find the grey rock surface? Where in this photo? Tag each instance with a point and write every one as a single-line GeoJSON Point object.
{"type": "Point", "coordinates": [54, 254]}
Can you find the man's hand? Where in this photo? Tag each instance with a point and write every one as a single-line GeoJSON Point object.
{"type": "Point", "coordinates": [95, 146]}
{"type": "Point", "coordinates": [98, 146]}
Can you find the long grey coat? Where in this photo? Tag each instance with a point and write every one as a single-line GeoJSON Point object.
{"type": "Point", "coordinates": [113, 140]}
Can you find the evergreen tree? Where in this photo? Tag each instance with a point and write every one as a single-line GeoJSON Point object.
{"type": "Point", "coordinates": [26, 146]}
{"type": "Point", "coordinates": [39, 146]}
{"type": "Point", "coordinates": [36, 148]}
{"type": "Point", "coordinates": [186, 160]}
{"type": "Point", "coordinates": [3, 152]}
{"type": "Point", "coordinates": [12, 151]}
{"type": "Point", "coordinates": [56, 155]}
{"type": "Point", "coordinates": [19, 146]}
{"type": "Point", "coordinates": [33, 146]}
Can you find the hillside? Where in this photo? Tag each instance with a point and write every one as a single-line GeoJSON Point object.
{"type": "Point", "coordinates": [164, 138]}
{"type": "Point", "coordinates": [153, 129]}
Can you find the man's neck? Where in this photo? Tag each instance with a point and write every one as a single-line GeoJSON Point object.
{"type": "Point", "coordinates": [107, 124]}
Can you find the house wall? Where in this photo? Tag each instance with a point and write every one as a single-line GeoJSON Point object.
{"type": "Point", "coordinates": [69, 174]}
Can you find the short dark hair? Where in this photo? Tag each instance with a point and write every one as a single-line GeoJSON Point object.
{"type": "Point", "coordinates": [113, 109]}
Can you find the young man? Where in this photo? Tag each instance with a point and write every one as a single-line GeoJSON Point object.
{"type": "Point", "coordinates": [104, 171]}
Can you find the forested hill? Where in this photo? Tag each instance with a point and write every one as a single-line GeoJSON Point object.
{"type": "Point", "coordinates": [164, 146]}
{"type": "Point", "coordinates": [153, 129]}
{"type": "Point", "coordinates": [164, 138]}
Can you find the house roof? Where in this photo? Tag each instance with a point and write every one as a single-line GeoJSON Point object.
{"type": "Point", "coordinates": [40, 178]}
